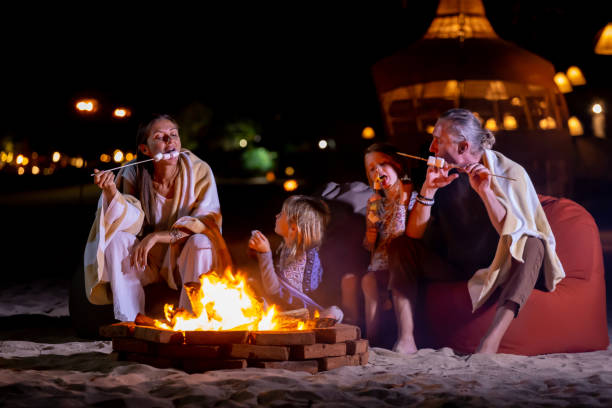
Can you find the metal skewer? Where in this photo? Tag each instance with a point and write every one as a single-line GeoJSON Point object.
{"type": "Point", "coordinates": [450, 165]}
{"type": "Point", "coordinates": [120, 167]}
{"type": "Point", "coordinates": [128, 165]}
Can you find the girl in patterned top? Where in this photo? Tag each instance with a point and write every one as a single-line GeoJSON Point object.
{"type": "Point", "coordinates": [387, 210]}
{"type": "Point", "coordinates": [301, 224]}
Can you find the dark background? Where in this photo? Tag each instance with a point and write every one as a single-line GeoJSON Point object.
{"type": "Point", "coordinates": [301, 73]}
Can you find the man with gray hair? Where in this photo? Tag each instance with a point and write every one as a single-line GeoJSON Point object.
{"type": "Point", "coordinates": [469, 225]}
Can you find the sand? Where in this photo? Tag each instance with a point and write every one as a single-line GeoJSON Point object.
{"type": "Point", "coordinates": [42, 363]}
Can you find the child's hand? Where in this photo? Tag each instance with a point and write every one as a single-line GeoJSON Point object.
{"type": "Point", "coordinates": [259, 242]}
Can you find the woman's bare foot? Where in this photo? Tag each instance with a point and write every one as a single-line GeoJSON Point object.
{"type": "Point", "coordinates": [405, 346]}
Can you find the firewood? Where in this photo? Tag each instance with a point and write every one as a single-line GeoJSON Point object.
{"type": "Point", "coordinates": [300, 314]}
{"type": "Point", "coordinates": [310, 366]}
{"type": "Point", "coordinates": [198, 365]}
{"type": "Point", "coordinates": [143, 320]}
{"type": "Point", "coordinates": [255, 352]}
{"type": "Point", "coordinates": [337, 334]}
{"type": "Point", "coordinates": [122, 329]}
{"type": "Point", "coordinates": [185, 351]}
{"type": "Point", "coordinates": [364, 357]}
{"type": "Point", "coordinates": [329, 363]}
{"type": "Point", "coordinates": [353, 360]}
{"type": "Point", "coordinates": [131, 345]}
{"type": "Point", "coordinates": [318, 350]}
{"type": "Point", "coordinates": [356, 346]}
{"type": "Point", "coordinates": [156, 335]}
{"type": "Point", "coordinates": [282, 338]}
{"type": "Point", "coordinates": [216, 337]}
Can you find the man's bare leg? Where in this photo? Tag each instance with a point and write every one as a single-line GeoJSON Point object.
{"type": "Point", "coordinates": [405, 324]}
{"type": "Point", "coordinates": [492, 339]}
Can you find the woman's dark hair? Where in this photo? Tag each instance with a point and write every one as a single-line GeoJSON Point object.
{"type": "Point", "coordinates": [399, 163]}
{"type": "Point", "coordinates": [144, 128]}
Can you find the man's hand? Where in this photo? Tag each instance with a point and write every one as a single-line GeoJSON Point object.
{"type": "Point", "coordinates": [480, 177]}
{"type": "Point", "coordinates": [106, 181]}
{"type": "Point", "coordinates": [259, 242]}
{"type": "Point", "coordinates": [437, 178]}
{"type": "Point", "coordinates": [140, 251]}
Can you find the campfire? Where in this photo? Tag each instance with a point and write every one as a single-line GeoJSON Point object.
{"type": "Point", "coordinates": [229, 327]}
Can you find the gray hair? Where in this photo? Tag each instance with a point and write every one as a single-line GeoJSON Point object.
{"type": "Point", "coordinates": [463, 125]}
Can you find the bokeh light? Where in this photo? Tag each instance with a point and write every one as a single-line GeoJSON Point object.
{"type": "Point", "coordinates": [118, 156]}
{"type": "Point", "coordinates": [56, 157]}
{"type": "Point", "coordinates": [368, 133]}
{"type": "Point", "coordinates": [597, 108]}
{"type": "Point", "coordinates": [322, 144]}
{"type": "Point", "coordinates": [290, 185]}
{"type": "Point", "coordinates": [290, 171]}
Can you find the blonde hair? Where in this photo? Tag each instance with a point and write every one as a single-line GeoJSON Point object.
{"type": "Point", "coordinates": [310, 216]}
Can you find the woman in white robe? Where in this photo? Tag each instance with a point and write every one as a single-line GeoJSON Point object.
{"type": "Point", "coordinates": [155, 221]}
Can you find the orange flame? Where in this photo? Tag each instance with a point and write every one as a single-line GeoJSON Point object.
{"type": "Point", "coordinates": [225, 303]}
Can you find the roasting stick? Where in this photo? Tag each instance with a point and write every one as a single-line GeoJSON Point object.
{"type": "Point", "coordinates": [436, 160]}
{"type": "Point", "coordinates": [157, 157]}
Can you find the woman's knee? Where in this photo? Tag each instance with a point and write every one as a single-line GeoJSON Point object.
{"type": "Point", "coordinates": [198, 242]}
{"type": "Point", "coordinates": [121, 241]}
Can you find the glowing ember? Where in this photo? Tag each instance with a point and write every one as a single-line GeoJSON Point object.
{"type": "Point", "coordinates": [225, 303]}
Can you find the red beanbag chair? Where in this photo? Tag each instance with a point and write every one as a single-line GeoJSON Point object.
{"type": "Point", "coordinates": [570, 319]}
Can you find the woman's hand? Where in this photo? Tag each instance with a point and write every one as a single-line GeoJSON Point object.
{"type": "Point", "coordinates": [259, 242]}
{"type": "Point", "coordinates": [106, 181]}
{"type": "Point", "coordinates": [480, 177]}
{"type": "Point", "coordinates": [140, 251]}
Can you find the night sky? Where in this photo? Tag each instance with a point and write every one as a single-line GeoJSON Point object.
{"type": "Point", "coordinates": [302, 72]}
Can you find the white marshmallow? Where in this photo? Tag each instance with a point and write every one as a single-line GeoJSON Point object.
{"type": "Point", "coordinates": [431, 161]}
{"type": "Point", "coordinates": [158, 156]}
{"type": "Point", "coordinates": [439, 162]}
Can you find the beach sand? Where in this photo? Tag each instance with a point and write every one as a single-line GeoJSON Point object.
{"type": "Point", "coordinates": [43, 363]}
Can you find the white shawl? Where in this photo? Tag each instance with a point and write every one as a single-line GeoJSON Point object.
{"type": "Point", "coordinates": [524, 217]}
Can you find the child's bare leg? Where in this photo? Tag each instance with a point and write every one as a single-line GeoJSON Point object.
{"type": "Point", "coordinates": [369, 286]}
{"type": "Point", "coordinates": [350, 298]}
{"type": "Point", "coordinates": [492, 339]}
{"type": "Point", "coordinates": [405, 343]}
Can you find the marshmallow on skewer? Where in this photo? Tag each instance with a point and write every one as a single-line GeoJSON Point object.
{"type": "Point", "coordinates": [165, 156]}
{"type": "Point", "coordinates": [435, 162]}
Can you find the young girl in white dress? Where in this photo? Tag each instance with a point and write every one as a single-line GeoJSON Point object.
{"type": "Point", "coordinates": [386, 215]}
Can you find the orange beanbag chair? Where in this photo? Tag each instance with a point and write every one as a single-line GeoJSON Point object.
{"type": "Point", "coordinates": [570, 319]}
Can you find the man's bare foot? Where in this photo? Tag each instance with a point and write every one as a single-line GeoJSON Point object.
{"type": "Point", "coordinates": [487, 347]}
{"type": "Point", "coordinates": [405, 346]}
